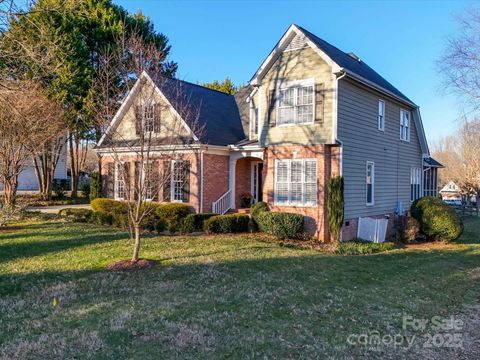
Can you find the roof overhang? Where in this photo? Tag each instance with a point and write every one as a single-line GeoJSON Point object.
{"type": "Point", "coordinates": [142, 79]}
{"type": "Point", "coordinates": [292, 31]}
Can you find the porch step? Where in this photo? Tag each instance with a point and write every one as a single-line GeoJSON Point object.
{"type": "Point", "coordinates": [239, 211]}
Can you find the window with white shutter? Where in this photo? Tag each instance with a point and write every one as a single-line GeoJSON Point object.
{"type": "Point", "coordinates": [296, 182]}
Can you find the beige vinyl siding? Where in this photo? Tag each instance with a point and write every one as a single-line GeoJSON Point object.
{"type": "Point", "coordinates": [291, 66]}
{"type": "Point", "coordinates": [169, 124]}
{"type": "Point", "coordinates": [358, 130]}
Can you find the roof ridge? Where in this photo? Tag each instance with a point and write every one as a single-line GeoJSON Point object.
{"type": "Point", "coordinates": [200, 86]}
{"type": "Point", "coordinates": [325, 41]}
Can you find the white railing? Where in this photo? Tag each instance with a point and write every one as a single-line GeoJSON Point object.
{"type": "Point", "coordinates": [223, 204]}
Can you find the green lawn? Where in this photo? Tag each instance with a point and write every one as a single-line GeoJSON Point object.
{"type": "Point", "coordinates": [224, 297]}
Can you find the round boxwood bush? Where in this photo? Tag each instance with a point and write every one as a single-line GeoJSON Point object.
{"type": "Point", "coordinates": [76, 215]}
{"type": "Point", "coordinates": [437, 220]}
{"type": "Point", "coordinates": [280, 224]}
{"type": "Point", "coordinates": [194, 222]}
{"type": "Point", "coordinates": [258, 208]}
{"type": "Point", "coordinates": [227, 223]}
{"type": "Point", "coordinates": [172, 214]}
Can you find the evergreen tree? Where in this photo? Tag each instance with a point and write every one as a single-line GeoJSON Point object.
{"type": "Point", "coordinates": [225, 86]}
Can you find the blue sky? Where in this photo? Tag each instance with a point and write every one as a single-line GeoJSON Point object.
{"type": "Point", "coordinates": [402, 40]}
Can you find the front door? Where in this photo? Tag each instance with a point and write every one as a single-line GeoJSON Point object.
{"type": "Point", "coordinates": [257, 194]}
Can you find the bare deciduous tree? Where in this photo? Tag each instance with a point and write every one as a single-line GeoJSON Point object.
{"type": "Point", "coordinates": [460, 64]}
{"type": "Point", "coordinates": [157, 147]}
{"type": "Point", "coordinates": [460, 154]}
{"type": "Point", "coordinates": [28, 122]}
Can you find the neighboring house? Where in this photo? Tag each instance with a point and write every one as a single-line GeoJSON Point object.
{"type": "Point", "coordinates": [451, 191]}
{"type": "Point", "coordinates": [310, 112]}
{"type": "Point", "coordinates": [27, 180]}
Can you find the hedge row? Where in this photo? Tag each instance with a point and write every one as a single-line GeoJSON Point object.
{"type": "Point", "coordinates": [178, 217]}
{"type": "Point", "coordinates": [232, 223]}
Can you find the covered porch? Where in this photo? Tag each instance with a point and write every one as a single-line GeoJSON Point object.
{"type": "Point", "coordinates": [245, 181]}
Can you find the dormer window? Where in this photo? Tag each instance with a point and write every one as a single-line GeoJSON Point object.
{"type": "Point", "coordinates": [295, 103]}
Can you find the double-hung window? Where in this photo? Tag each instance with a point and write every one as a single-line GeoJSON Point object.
{"type": "Point", "coordinates": [122, 180]}
{"type": "Point", "coordinates": [381, 115]}
{"type": "Point", "coordinates": [404, 125]}
{"type": "Point", "coordinates": [415, 181]}
{"type": "Point", "coordinates": [296, 182]}
{"type": "Point", "coordinates": [370, 183]}
{"type": "Point", "coordinates": [295, 103]}
{"type": "Point", "coordinates": [177, 181]}
{"type": "Point", "coordinates": [149, 118]}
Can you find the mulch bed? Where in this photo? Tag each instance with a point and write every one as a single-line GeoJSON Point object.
{"type": "Point", "coordinates": [129, 265]}
{"type": "Point", "coordinates": [10, 228]}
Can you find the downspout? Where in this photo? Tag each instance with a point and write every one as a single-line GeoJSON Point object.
{"type": "Point", "coordinates": [337, 140]}
{"type": "Point", "coordinates": [201, 180]}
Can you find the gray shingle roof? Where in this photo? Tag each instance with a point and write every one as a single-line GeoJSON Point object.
{"type": "Point", "coordinates": [212, 115]}
{"type": "Point", "coordinates": [347, 62]}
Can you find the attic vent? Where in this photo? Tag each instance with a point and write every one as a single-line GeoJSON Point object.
{"type": "Point", "coordinates": [298, 42]}
{"type": "Point", "coordinates": [354, 56]}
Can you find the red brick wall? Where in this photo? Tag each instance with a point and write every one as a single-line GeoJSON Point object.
{"type": "Point", "coordinates": [193, 158]}
{"type": "Point", "coordinates": [215, 179]}
{"type": "Point", "coordinates": [243, 178]}
{"type": "Point", "coordinates": [315, 217]}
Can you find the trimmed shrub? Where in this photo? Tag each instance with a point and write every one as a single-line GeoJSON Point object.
{"type": "Point", "coordinates": [362, 247]}
{"type": "Point", "coordinates": [85, 189]}
{"type": "Point", "coordinates": [172, 214]}
{"type": "Point", "coordinates": [231, 223]}
{"type": "Point", "coordinates": [408, 228]}
{"type": "Point", "coordinates": [194, 222]}
{"type": "Point", "coordinates": [280, 224]}
{"type": "Point", "coordinates": [258, 208]}
{"type": "Point", "coordinates": [437, 220]}
{"type": "Point", "coordinates": [95, 186]}
{"type": "Point", "coordinates": [109, 206]}
{"type": "Point", "coordinates": [76, 215]}
{"type": "Point", "coordinates": [118, 210]}
{"type": "Point", "coordinates": [335, 204]}
{"type": "Point", "coordinates": [151, 220]}
{"type": "Point", "coordinates": [101, 218]}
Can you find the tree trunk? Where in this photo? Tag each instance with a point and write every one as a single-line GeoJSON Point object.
{"type": "Point", "coordinates": [136, 245]}
{"type": "Point", "coordinates": [73, 167]}
{"type": "Point", "coordinates": [10, 192]}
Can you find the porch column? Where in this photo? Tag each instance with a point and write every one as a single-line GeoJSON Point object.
{"type": "Point", "coordinates": [231, 181]}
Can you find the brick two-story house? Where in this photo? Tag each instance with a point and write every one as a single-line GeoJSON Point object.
{"type": "Point", "coordinates": [310, 112]}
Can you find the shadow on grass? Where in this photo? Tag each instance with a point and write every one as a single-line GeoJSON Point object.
{"type": "Point", "coordinates": [29, 248]}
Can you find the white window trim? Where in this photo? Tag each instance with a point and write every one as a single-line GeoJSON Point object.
{"type": "Point", "coordinates": [381, 128]}
{"type": "Point", "coordinates": [116, 180]}
{"type": "Point", "coordinates": [418, 173]}
{"type": "Point", "coordinates": [252, 178]}
{"type": "Point", "coordinates": [172, 182]}
{"type": "Point", "coordinates": [402, 111]}
{"type": "Point", "coordinates": [254, 115]}
{"type": "Point", "coordinates": [296, 204]}
{"type": "Point", "coordinates": [372, 163]}
{"type": "Point", "coordinates": [283, 85]}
